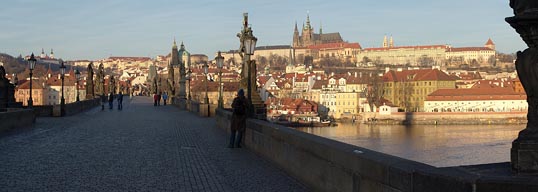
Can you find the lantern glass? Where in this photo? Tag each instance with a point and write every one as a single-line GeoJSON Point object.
{"type": "Point", "coordinates": [32, 62]}
{"type": "Point", "coordinates": [250, 45]}
{"type": "Point", "coordinates": [220, 60]}
{"type": "Point", "coordinates": [62, 67]}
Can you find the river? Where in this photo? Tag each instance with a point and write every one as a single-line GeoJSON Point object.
{"type": "Point", "coordinates": [437, 145]}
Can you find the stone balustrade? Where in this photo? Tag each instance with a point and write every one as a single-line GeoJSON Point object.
{"type": "Point", "coordinates": [327, 165]}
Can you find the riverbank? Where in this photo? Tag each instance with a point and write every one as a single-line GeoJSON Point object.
{"type": "Point", "coordinates": [462, 118]}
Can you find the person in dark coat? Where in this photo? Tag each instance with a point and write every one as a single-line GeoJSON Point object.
{"type": "Point", "coordinates": [120, 101]}
{"type": "Point", "coordinates": [110, 101]}
{"type": "Point", "coordinates": [239, 118]}
{"type": "Point", "coordinates": [159, 99]}
{"type": "Point", "coordinates": [155, 99]}
{"type": "Point", "coordinates": [165, 97]}
{"type": "Point", "coordinates": [103, 101]}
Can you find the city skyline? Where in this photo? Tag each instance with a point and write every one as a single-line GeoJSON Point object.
{"type": "Point", "coordinates": [96, 30]}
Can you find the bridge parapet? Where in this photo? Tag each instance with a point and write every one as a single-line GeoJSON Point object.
{"type": "Point", "coordinates": [11, 118]}
{"type": "Point", "coordinates": [327, 165]}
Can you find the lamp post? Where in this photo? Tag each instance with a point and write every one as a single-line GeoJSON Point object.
{"type": "Point", "coordinates": [250, 45]}
{"type": "Point", "coordinates": [220, 61]}
{"type": "Point", "coordinates": [77, 76]}
{"type": "Point", "coordinates": [188, 78]}
{"type": "Point", "coordinates": [31, 63]}
{"type": "Point", "coordinates": [62, 100]}
{"type": "Point", "coordinates": [206, 71]}
{"type": "Point", "coordinates": [102, 80]}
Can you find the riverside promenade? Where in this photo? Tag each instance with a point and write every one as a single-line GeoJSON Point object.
{"type": "Point", "coordinates": [141, 148]}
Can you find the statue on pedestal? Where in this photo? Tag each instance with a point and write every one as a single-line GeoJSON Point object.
{"type": "Point", "coordinates": [524, 152]}
{"type": "Point", "coordinates": [4, 87]}
{"type": "Point", "coordinates": [89, 83]}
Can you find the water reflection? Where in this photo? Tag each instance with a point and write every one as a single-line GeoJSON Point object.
{"type": "Point", "coordinates": [437, 145]}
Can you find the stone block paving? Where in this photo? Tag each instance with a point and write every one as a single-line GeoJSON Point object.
{"type": "Point", "coordinates": [141, 148]}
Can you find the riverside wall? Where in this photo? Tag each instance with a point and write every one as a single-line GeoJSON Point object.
{"type": "Point", "coordinates": [447, 118]}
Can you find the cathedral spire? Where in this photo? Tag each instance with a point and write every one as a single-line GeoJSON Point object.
{"type": "Point", "coordinates": [391, 41]}
{"type": "Point", "coordinates": [308, 20]}
{"type": "Point", "coordinates": [296, 30]}
{"type": "Point", "coordinates": [320, 28]}
{"type": "Point", "coordinates": [175, 45]}
{"type": "Point", "coordinates": [51, 53]}
{"type": "Point", "coordinates": [182, 47]}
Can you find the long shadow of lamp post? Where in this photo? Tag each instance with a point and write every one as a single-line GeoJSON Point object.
{"type": "Point", "coordinates": [62, 100]}
{"type": "Point", "coordinates": [220, 62]}
{"type": "Point", "coordinates": [31, 63]}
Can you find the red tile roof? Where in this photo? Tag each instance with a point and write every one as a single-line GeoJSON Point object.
{"type": "Point", "coordinates": [490, 42]}
{"type": "Point", "coordinates": [335, 46]}
{"type": "Point", "coordinates": [498, 93]}
{"type": "Point", "coordinates": [406, 47]}
{"type": "Point", "coordinates": [462, 49]}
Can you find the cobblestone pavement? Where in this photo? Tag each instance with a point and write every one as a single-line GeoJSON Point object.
{"type": "Point", "coordinates": [141, 148]}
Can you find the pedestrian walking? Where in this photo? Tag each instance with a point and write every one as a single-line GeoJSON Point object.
{"type": "Point", "coordinates": [120, 101]}
{"type": "Point", "coordinates": [155, 99]}
{"type": "Point", "coordinates": [239, 118]}
{"type": "Point", "coordinates": [165, 97]}
{"type": "Point", "coordinates": [159, 99]}
{"type": "Point", "coordinates": [103, 101]}
{"type": "Point", "coordinates": [110, 101]}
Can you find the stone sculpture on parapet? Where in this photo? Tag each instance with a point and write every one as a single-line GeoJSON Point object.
{"type": "Point", "coordinates": [524, 152]}
{"type": "Point", "coordinates": [89, 82]}
{"type": "Point", "coordinates": [4, 84]}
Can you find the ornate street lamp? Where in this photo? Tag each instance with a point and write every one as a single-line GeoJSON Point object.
{"type": "Point", "coordinates": [220, 61]}
{"type": "Point", "coordinates": [250, 45]}
{"type": "Point", "coordinates": [62, 100]}
{"type": "Point", "coordinates": [77, 76]}
{"type": "Point", "coordinates": [102, 80]}
{"type": "Point", "coordinates": [188, 78]}
{"type": "Point", "coordinates": [206, 71]}
{"type": "Point", "coordinates": [31, 63]}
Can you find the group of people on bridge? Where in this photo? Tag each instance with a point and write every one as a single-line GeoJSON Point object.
{"type": "Point", "coordinates": [110, 99]}
{"type": "Point", "coordinates": [157, 98]}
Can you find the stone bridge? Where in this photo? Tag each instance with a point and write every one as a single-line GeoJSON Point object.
{"type": "Point", "coordinates": [141, 148]}
{"type": "Point", "coordinates": [162, 148]}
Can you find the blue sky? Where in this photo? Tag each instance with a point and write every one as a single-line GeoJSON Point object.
{"type": "Point", "coordinates": [97, 29]}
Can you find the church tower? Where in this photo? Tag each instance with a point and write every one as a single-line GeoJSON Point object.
{"type": "Point", "coordinates": [308, 33]}
{"type": "Point", "coordinates": [42, 53]}
{"type": "Point", "coordinates": [385, 42]}
{"type": "Point", "coordinates": [51, 54]}
{"type": "Point", "coordinates": [490, 44]}
{"type": "Point", "coordinates": [174, 63]}
{"type": "Point", "coordinates": [391, 42]}
{"type": "Point", "coordinates": [296, 38]}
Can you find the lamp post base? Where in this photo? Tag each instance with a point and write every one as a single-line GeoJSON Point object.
{"type": "Point", "coordinates": [30, 103]}
{"type": "Point", "coordinates": [62, 107]}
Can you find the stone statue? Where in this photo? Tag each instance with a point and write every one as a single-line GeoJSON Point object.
{"type": "Point", "coordinates": [89, 82]}
{"type": "Point", "coordinates": [524, 152]}
{"type": "Point", "coordinates": [524, 7]}
{"type": "Point", "coordinates": [4, 85]}
{"type": "Point", "coordinates": [100, 76]}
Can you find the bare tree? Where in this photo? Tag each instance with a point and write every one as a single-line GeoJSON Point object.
{"type": "Point", "coordinates": [425, 61]}
{"type": "Point", "coordinates": [374, 92]}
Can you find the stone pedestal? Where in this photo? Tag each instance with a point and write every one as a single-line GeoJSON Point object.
{"type": "Point", "coordinates": [524, 155]}
{"type": "Point", "coordinates": [182, 103]}
{"type": "Point", "coordinates": [524, 152]}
